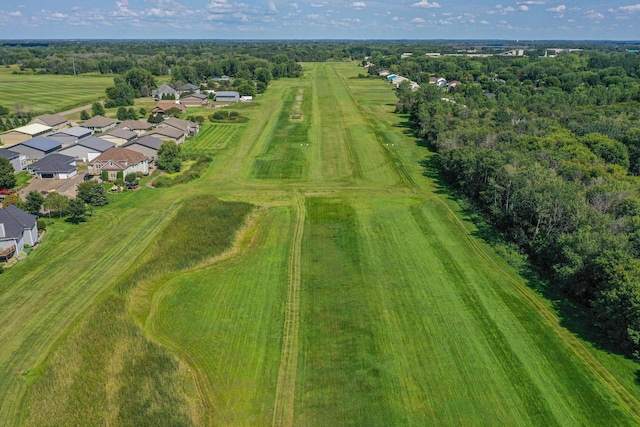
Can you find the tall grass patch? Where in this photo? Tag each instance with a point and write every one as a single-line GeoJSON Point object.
{"type": "Point", "coordinates": [107, 372]}
{"type": "Point", "coordinates": [194, 172]}
{"type": "Point", "coordinates": [284, 156]}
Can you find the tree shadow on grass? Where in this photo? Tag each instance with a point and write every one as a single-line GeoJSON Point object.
{"type": "Point", "coordinates": [576, 318]}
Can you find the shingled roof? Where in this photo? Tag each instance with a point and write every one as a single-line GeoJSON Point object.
{"type": "Point", "coordinates": [118, 158]}
{"type": "Point", "coordinates": [15, 221]}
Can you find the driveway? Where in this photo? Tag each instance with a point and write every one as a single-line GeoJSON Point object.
{"type": "Point", "coordinates": [66, 187]}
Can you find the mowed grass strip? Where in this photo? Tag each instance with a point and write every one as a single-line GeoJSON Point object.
{"type": "Point", "coordinates": [284, 155]}
{"type": "Point", "coordinates": [107, 371]}
{"type": "Point", "coordinates": [51, 93]}
{"type": "Point", "coordinates": [227, 321]}
{"type": "Point", "coordinates": [213, 137]}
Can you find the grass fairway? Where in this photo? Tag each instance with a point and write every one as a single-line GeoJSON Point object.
{"type": "Point", "coordinates": [325, 284]}
{"type": "Point", "coordinates": [50, 93]}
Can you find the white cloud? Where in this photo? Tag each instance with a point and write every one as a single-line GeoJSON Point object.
{"type": "Point", "coordinates": [16, 13]}
{"type": "Point", "coordinates": [631, 8]}
{"type": "Point", "coordinates": [531, 2]}
{"type": "Point", "coordinates": [294, 6]}
{"type": "Point", "coordinates": [418, 20]}
{"type": "Point", "coordinates": [272, 7]}
{"type": "Point", "coordinates": [314, 16]}
{"type": "Point", "coordinates": [321, 4]}
{"type": "Point", "coordinates": [358, 4]}
{"type": "Point", "coordinates": [58, 15]}
{"type": "Point", "coordinates": [483, 22]}
{"type": "Point", "coordinates": [592, 14]}
{"type": "Point", "coordinates": [219, 6]}
{"type": "Point", "coordinates": [425, 4]}
{"type": "Point", "coordinates": [558, 9]}
{"type": "Point", "coordinates": [523, 8]}
{"type": "Point", "coordinates": [395, 18]}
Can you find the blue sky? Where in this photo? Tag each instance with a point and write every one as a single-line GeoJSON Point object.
{"type": "Point", "coordinates": [321, 19]}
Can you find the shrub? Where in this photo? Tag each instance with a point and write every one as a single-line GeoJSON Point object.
{"type": "Point", "coordinates": [42, 224]}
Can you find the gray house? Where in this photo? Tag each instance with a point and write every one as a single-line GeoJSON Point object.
{"type": "Point", "coordinates": [226, 96]}
{"type": "Point", "coordinates": [36, 148]}
{"type": "Point", "coordinates": [17, 160]}
{"type": "Point", "coordinates": [147, 145]}
{"type": "Point", "coordinates": [56, 166]}
{"type": "Point", "coordinates": [163, 91]}
{"type": "Point", "coordinates": [71, 135]}
{"type": "Point", "coordinates": [119, 136]}
{"type": "Point", "coordinates": [100, 123]}
{"type": "Point", "coordinates": [17, 229]}
{"type": "Point", "coordinates": [87, 149]}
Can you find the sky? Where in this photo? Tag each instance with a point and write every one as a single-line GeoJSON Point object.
{"type": "Point", "coordinates": [320, 19]}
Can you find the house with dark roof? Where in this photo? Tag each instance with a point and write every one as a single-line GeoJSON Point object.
{"type": "Point", "coordinates": [187, 88]}
{"type": "Point", "coordinates": [17, 229]}
{"type": "Point", "coordinates": [119, 160]}
{"type": "Point", "coordinates": [168, 133]}
{"type": "Point", "coordinates": [162, 107]}
{"type": "Point", "coordinates": [147, 145]}
{"type": "Point", "coordinates": [23, 133]}
{"type": "Point", "coordinates": [71, 135]}
{"type": "Point", "coordinates": [87, 149]}
{"type": "Point", "coordinates": [54, 121]}
{"type": "Point", "coordinates": [137, 126]}
{"type": "Point", "coordinates": [100, 123]}
{"type": "Point", "coordinates": [187, 127]}
{"type": "Point", "coordinates": [118, 136]}
{"type": "Point", "coordinates": [37, 148]}
{"type": "Point", "coordinates": [165, 91]}
{"type": "Point", "coordinates": [195, 100]}
{"type": "Point", "coordinates": [54, 166]}
{"type": "Point", "coordinates": [227, 96]}
{"type": "Point", "coordinates": [17, 160]}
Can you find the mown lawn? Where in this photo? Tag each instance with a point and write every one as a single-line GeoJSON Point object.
{"type": "Point", "coordinates": [329, 285]}
{"type": "Point", "coordinates": [43, 93]}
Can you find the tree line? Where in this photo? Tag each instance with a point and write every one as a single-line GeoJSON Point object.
{"type": "Point", "coordinates": [549, 150]}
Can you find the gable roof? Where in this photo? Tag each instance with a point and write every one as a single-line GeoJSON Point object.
{"type": "Point", "coordinates": [53, 163]}
{"type": "Point", "coordinates": [120, 158]}
{"type": "Point", "coordinates": [51, 119]}
{"type": "Point", "coordinates": [32, 129]}
{"type": "Point", "coordinates": [8, 154]}
{"type": "Point", "coordinates": [135, 125]}
{"type": "Point", "coordinates": [183, 125]}
{"type": "Point", "coordinates": [169, 131]}
{"type": "Point", "coordinates": [41, 143]}
{"type": "Point", "coordinates": [164, 106]}
{"type": "Point", "coordinates": [146, 141]}
{"type": "Point", "coordinates": [226, 93]}
{"type": "Point", "coordinates": [77, 131]}
{"type": "Point", "coordinates": [120, 133]}
{"type": "Point", "coordinates": [165, 88]}
{"type": "Point", "coordinates": [200, 96]}
{"type": "Point", "coordinates": [15, 220]}
{"type": "Point", "coordinates": [94, 143]}
{"type": "Point", "coordinates": [188, 86]}
{"type": "Point", "coordinates": [98, 122]}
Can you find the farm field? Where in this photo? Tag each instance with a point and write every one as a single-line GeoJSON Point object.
{"type": "Point", "coordinates": [44, 93]}
{"type": "Point", "coordinates": [312, 276]}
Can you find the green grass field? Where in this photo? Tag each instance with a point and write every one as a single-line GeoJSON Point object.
{"type": "Point", "coordinates": [50, 93]}
{"type": "Point", "coordinates": [292, 284]}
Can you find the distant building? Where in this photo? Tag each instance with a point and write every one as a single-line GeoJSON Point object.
{"type": "Point", "coordinates": [17, 160]}
{"type": "Point", "coordinates": [54, 121]}
{"type": "Point", "coordinates": [54, 166]}
{"type": "Point", "coordinates": [71, 135]}
{"type": "Point", "coordinates": [24, 133]}
{"type": "Point", "coordinates": [100, 123]}
{"type": "Point", "coordinates": [226, 96]}
{"type": "Point", "coordinates": [164, 91]}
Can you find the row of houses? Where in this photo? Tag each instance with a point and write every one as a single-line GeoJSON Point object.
{"type": "Point", "coordinates": [56, 155]}
{"type": "Point", "coordinates": [190, 95]}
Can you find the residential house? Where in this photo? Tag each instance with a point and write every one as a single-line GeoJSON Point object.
{"type": "Point", "coordinates": [168, 133]}
{"type": "Point", "coordinates": [162, 107]}
{"type": "Point", "coordinates": [227, 96]}
{"type": "Point", "coordinates": [165, 91]}
{"type": "Point", "coordinates": [17, 160]}
{"type": "Point", "coordinates": [146, 145]}
{"type": "Point", "coordinates": [119, 160]}
{"type": "Point", "coordinates": [383, 73]}
{"type": "Point", "coordinates": [71, 135]}
{"type": "Point", "coordinates": [100, 123]}
{"type": "Point", "coordinates": [187, 127]}
{"type": "Point", "coordinates": [397, 80]}
{"type": "Point", "coordinates": [438, 81]}
{"type": "Point", "coordinates": [54, 121]}
{"type": "Point", "coordinates": [221, 79]}
{"type": "Point", "coordinates": [87, 149]}
{"type": "Point", "coordinates": [140, 127]}
{"type": "Point", "coordinates": [195, 100]}
{"type": "Point", "coordinates": [17, 229]}
{"type": "Point", "coordinates": [23, 133]}
{"type": "Point", "coordinates": [187, 88]}
{"type": "Point", "coordinates": [54, 166]}
{"type": "Point", "coordinates": [37, 148]}
{"type": "Point", "coordinates": [118, 136]}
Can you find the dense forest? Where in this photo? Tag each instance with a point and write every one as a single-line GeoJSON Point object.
{"type": "Point", "coordinates": [549, 150]}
